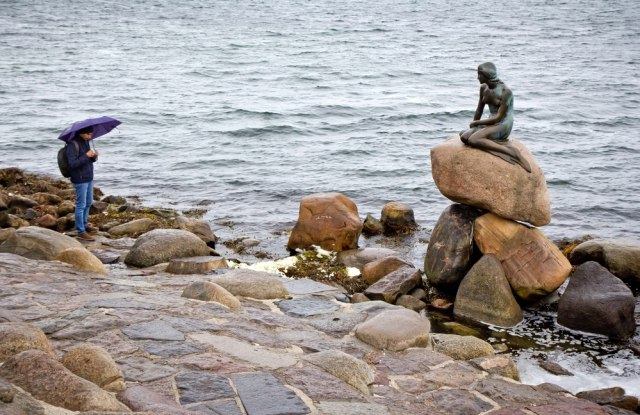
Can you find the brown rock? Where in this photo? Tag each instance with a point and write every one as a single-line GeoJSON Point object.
{"type": "Point", "coordinates": [411, 302]}
{"type": "Point", "coordinates": [477, 178]}
{"type": "Point", "coordinates": [6, 233]}
{"type": "Point", "coordinates": [502, 365]}
{"type": "Point", "coordinates": [46, 198]}
{"type": "Point", "coordinates": [328, 220]}
{"type": "Point", "coordinates": [397, 218]}
{"type": "Point", "coordinates": [198, 227]}
{"type": "Point", "coordinates": [48, 380]}
{"type": "Point", "coordinates": [395, 330]}
{"type": "Point", "coordinates": [82, 259]}
{"type": "Point", "coordinates": [373, 271]}
{"type": "Point", "coordinates": [96, 365]}
{"type": "Point", "coordinates": [65, 208]}
{"type": "Point", "coordinates": [393, 285]}
{"type": "Point", "coordinates": [534, 266]}
{"type": "Point", "coordinates": [610, 396]}
{"type": "Point", "coordinates": [18, 337]}
{"type": "Point", "coordinates": [134, 228]}
{"type": "Point", "coordinates": [47, 221]}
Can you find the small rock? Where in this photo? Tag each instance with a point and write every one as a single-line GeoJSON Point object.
{"type": "Point", "coordinates": [555, 368]}
{"type": "Point", "coordinates": [372, 226]}
{"type": "Point", "coordinates": [411, 302]}
{"type": "Point", "coordinates": [397, 219]}
{"type": "Point", "coordinates": [47, 221]}
{"type": "Point", "coordinates": [373, 271]}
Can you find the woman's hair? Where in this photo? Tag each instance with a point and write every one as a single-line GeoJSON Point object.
{"type": "Point", "coordinates": [85, 130]}
{"type": "Point", "coordinates": [489, 70]}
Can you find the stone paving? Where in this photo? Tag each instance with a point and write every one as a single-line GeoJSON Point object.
{"type": "Point", "coordinates": [268, 357]}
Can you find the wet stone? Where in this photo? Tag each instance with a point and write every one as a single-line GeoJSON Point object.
{"type": "Point", "coordinates": [223, 407]}
{"type": "Point", "coordinates": [305, 307]}
{"type": "Point", "coordinates": [153, 330]}
{"type": "Point", "coordinates": [263, 394]}
{"type": "Point", "coordinates": [197, 387]}
{"type": "Point", "coordinates": [139, 369]}
{"type": "Point", "coordinates": [171, 349]}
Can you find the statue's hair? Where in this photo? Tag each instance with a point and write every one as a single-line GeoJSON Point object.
{"type": "Point", "coordinates": [489, 70]}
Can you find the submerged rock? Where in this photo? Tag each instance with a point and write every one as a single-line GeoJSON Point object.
{"type": "Point", "coordinates": [397, 219]}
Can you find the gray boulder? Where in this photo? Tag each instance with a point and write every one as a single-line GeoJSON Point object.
{"type": "Point", "coordinates": [163, 245]}
{"type": "Point", "coordinates": [596, 301]}
{"type": "Point", "coordinates": [451, 249]}
{"type": "Point", "coordinates": [621, 258]}
{"type": "Point", "coordinates": [35, 242]}
{"type": "Point", "coordinates": [485, 296]}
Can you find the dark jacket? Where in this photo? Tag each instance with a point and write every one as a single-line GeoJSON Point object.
{"type": "Point", "coordinates": [80, 164]}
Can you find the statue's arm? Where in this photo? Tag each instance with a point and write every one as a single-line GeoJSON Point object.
{"type": "Point", "coordinates": [479, 109]}
{"type": "Point", "coordinates": [502, 110]}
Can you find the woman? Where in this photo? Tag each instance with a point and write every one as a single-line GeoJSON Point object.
{"type": "Point", "coordinates": [81, 158]}
{"type": "Point", "coordinates": [492, 134]}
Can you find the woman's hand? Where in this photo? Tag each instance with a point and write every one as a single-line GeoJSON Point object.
{"type": "Point", "coordinates": [92, 154]}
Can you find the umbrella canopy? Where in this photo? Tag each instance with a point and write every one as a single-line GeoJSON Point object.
{"type": "Point", "coordinates": [101, 126]}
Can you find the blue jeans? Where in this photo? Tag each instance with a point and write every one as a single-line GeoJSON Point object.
{"type": "Point", "coordinates": [84, 199]}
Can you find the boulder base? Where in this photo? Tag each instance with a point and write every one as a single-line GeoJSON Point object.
{"type": "Point", "coordinates": [327, 220]}
{"type": "Point", "coordinates": [534, 266]}
{"type": "Point", "coordinates": [477, 178]}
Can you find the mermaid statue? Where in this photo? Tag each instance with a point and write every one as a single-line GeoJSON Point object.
{"type": "Point", "coordinates": [492, 134]}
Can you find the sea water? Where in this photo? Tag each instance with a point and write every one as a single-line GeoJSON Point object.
{"type": "Point", "coordinates": [241, 108]}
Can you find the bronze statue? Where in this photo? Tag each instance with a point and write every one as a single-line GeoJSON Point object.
{"type": "Point", "coordinates": [492, 134]}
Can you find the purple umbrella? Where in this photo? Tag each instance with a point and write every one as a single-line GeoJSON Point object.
{"type": "Point", "coordinates": [101, 126]}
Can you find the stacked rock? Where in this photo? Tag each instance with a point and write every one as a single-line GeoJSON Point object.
{"type": "Point", "coordinates": [479, 249]}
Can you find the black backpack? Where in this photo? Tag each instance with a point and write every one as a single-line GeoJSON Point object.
{"type": "Point", "coordinates": [63, 161]}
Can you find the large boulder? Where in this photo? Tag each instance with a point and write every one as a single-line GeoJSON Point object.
{"type": "Point", "coordinates": [327, 220]}
{"type": "Point", "coordinates": [395, 330]}
{"type": "Point", "coordinates": [48, 380]}
{"type": "Point", "coordinates": [622, 258]}
{"type": "Point", "coordinates": [18, 337]}
{"type": "Point", "coordinates": [451, 250]}
{"type": "Point", "coordinates": [163, 245]}
{"type": "Point", "coordinates": [397, 218]}
{"type": "Point", "coordinates": [485, 296]}
{"type": "Point", "coordinates": [474, 177]}
{"type": "Point", "coordinates": [534, 266]}
{"type": "Point", "coordinates": [38, 243]}
{"type": "Point", "coordinates": [596, 301]}
{"type": "Point", "coordinates": [96, 365]}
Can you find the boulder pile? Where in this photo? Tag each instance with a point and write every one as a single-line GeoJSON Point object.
{"type": "Point", "coordinates": [481, 250]}
{"type": "Point", "coordinates": [486, 251]}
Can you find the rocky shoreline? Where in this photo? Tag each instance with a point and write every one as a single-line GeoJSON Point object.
{"type": "Point", "coordinates": [150, 318]}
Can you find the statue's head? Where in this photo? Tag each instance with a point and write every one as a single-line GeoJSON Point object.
{"type": "Point", "coordinates": [488, 71]}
